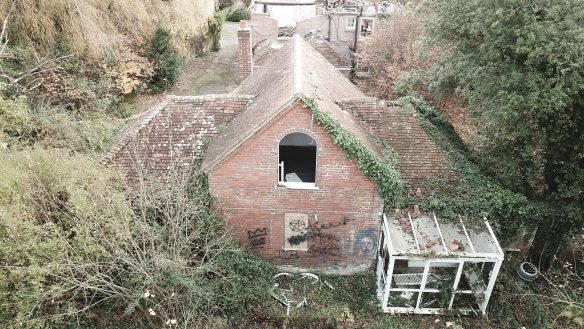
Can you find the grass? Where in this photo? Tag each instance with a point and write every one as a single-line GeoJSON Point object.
{"type": "Point", "coordinates": [93, 27]}
{"type": "Point", "coordinates": [213, 77]}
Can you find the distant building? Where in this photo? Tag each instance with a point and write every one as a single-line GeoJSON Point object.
{"type": "Point", "coordinates": [287, 12]}
{"type": "Point", "coordinates": [334, 28]}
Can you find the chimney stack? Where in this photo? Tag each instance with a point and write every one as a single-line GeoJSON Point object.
{"type": "Point", "coordinates": [245, 52]}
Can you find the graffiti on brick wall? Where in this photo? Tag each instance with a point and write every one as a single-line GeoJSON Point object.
{"type": "Point", "coordinates": [365, 241]}
{"type": "Point", "coordinates": [257, 237]}
{"type": "Point", "coordinates": [295, 226]}
{"type": "Point", "coordinates": [321, 242]}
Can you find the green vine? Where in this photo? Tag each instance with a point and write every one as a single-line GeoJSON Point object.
{"type": "Point", "coordinates": [381, 171]}
{"type": "Point", "coordinates": [477, 195]}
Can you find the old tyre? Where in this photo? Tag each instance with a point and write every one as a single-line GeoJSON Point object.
{"type": "Point", "coordinates": [527, 271]}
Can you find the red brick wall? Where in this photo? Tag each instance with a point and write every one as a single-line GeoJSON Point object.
{"type": "Point", "coordinates": [346, 203]}
{"type": "Point", "coordinates": [245, 54]}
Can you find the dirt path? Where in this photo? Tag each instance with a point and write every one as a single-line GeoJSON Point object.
{"type": "Point", "coordinates": [216, 73]}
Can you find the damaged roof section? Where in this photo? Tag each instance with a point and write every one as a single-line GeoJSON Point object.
{"type": "Point", "coordinates": [175, 130]}
{"type": "Point", "coordinates": [425, 235]}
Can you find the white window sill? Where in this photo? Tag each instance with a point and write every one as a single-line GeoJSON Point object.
{"type": "Point", "coordinates": [298, 185]}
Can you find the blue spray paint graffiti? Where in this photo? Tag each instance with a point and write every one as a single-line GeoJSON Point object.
{"type": "Point", "coordinates": [365, 241]}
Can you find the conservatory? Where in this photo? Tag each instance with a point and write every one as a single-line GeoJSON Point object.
{"type": "Point", "coordinates": [428, 266]}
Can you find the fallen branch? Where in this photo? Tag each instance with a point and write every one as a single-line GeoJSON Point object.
{"type": "Point", "coordinates": [32, 78]}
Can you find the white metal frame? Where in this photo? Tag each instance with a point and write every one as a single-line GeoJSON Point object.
{"type": "Point", "coordinates": [482, 291]}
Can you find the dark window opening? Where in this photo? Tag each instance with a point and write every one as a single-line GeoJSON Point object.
{"type": "Point", "coordinates": [366, 27]}
{"type": "Point", "coordinates": [297, 159]}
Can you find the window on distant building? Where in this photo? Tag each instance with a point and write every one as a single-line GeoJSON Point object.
{"type": "Point", "coordinates": [297, 161]}
{"type": "Point", "coordinates": [351, 22]}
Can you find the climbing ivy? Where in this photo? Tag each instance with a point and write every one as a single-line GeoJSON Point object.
{"type": "Point", "coordinates": [382, 171]}
{"type": "Point", "coordinates": [474, 194]}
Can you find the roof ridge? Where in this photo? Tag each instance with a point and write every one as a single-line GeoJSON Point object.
{"type": "Point", "coordinates": [211, 97]}
{"type": "Point", "coordinates": [297, 64]}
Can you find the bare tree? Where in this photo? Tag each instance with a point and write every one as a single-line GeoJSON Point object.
{"type": "Point", "coordinates": [389, 54]}
{"type": "Point", "coordinates": [33, 76]}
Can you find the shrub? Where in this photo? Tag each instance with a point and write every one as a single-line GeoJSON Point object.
{"type": "Point", "coordinates": [15, 120]}
{"type": "Point", "coordinates": [131, 73]}
{"type": "Point", "coordinates": [226, 3]}
{"type": "Point", "coordinates": [76, 247]}
{"type": "Point", "coordinates": [53, 208]}
{"type": "Point", "coordinates": [389, 56]}
{"type": "Point", "coordinates": [22, 125]}
{"type": "Point", "coordinates": [81, 90]}
{"type": "Point", "coordinates": [238, 14]}
{"type": "Point", "coordinates": [168, 61]}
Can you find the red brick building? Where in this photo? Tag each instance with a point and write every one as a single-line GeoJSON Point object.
{"type": "Point", "coordinates": [286, 189]}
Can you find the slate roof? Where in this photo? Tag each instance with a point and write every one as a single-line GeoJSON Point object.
{"type": "Point", "coordinates": [294, 71]}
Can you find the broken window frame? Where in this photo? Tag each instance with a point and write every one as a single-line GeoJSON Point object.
{"type": "Point", "coordinates": [281, 167]}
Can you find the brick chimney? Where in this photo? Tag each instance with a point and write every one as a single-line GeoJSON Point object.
{"type": "Point", "coordinates": [245, 52]}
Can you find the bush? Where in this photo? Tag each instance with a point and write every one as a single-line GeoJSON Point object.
{"type": "Point", "coordinates": [22, 125]}
{"type": "Point", "coordinates": [53, 208]}
{"type": "Point", "coordinates": [168, 61]}
{"type": "Point", "coordinates": [15, 120]}
{"type": "Point", "coordinates": [389, 55]}
{"type": "Point", "coordinates": [239, 14]}
{"type": "Point", "coordinates": [76, 247]}
{"type": "Point", "coordinates": [226, 3]}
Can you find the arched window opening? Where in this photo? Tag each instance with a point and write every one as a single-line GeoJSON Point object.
{"type": "Point", "coordinates": [297, 159]}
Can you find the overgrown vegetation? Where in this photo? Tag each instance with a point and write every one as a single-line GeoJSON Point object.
{"type": "Point", "coordinates": [43, 125]}
{"type": "Point", "coordinates": [518, 66]}
{"type": "Point", "coordinates": [337, 303]}
{"type": "Point", "coordinates": [94, 29]}
{"type": "Point", "coordinates": [389, 55]}
{"type": "Point", "coordinates": [233, 11]}
{"type": "Point", "coordinates": [472, 194]}
{"type": "Point", "coordinates": [239, 14]}
{"type": "Point", "coordinates": [382, 171]}
{"type": "Point", "coordinates": [74, 243]}
{"type": "Point", "coordinates": [77, 247]}
{"type": "Point", "coordinates": [522, 80]}
{"type": "Point", "coordinates": [164, 54]}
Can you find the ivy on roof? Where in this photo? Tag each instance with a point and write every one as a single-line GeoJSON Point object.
{"type": "Point", "coordinates": [477, 195]}
{"type": "Point", "coordinates": [382, 171]}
